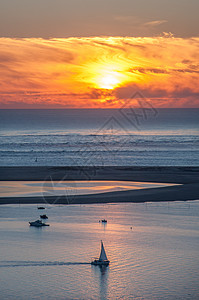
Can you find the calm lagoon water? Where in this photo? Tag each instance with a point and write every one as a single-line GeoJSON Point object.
{"type": "Point", "coordinates": [156, 259]}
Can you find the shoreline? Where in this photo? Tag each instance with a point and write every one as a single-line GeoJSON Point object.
{"type": "Point", "coordinates": [188, 177]}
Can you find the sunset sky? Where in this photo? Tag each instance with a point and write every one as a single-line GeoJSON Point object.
{"type": "Point", "coordinates": [98, 54]}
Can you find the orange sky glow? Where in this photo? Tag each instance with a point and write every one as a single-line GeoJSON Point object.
{"type": "Point", "coordinates": [98, 72]}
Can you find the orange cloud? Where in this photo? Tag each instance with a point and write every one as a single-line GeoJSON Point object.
{"type": "Point", "coordinates": [98, 72]}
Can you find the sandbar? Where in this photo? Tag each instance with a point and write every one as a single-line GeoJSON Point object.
{"type": "Point", "coordinates": [187, 177]}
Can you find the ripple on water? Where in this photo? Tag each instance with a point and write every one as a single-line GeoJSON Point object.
{"type": "Point", "coordinates": [156, 259]}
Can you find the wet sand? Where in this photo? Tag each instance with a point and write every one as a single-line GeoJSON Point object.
{"type": "Point", "coordinates": [187, 176]}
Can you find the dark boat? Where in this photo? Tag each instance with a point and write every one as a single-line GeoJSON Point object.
{"type": "Point", "coordinates": [43, 217]}
{"type": "Point", "coordinates": [38, 223]}
{"type": "Point", "coordinates": [104, 221]}
{"type": "Point", "coordinates": [40, 207]}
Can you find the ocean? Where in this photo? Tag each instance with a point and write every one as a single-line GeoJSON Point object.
{"type": "Point", "coordinates": [152, 248]}
{"type": "Point", "coordinates": [99, 137]}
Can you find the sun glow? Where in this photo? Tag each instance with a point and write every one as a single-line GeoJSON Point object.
{"type": "Point", "coordinates": [108, 82]}
{"type": "Point", "coordinates": [107, 75]}
{"type": "Point", "coordinates": [109, 79]}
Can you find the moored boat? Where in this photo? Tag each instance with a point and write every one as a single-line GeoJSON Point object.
{"type": "Point", "coordinates": [43, 217]}
{"type": "Point", "coordinates": [104, 221]}
{"type": "Point", "coordinates": [38, 223]}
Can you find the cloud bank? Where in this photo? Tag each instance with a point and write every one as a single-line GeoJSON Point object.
{"type": "Point", "coordinates": [71, 73]}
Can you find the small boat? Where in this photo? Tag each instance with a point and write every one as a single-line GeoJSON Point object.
{"type": "Point", "coordinates": [104, 221]}
{"type": "Point", "coordinates": [40, 207]}
{"type": "Point", "coordinates": [103, 260]}
{"type": "Point", "coordinates": [38, 223]}
{"type": "Point", "coordinates": [43, 217]}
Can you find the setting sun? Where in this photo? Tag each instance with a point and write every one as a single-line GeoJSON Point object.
{"type": "Point", "coordinates": [108, 82]}
{"type": "Point", "coordinates": [106, 75]}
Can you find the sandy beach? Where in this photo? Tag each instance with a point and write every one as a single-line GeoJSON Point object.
{"type": "Point", "coordinates": [188, 177]}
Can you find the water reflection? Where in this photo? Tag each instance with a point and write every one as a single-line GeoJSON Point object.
{"type": "Point", "coordinates": [103, 225]}
{"type": "Point", "coordinates": [72, 188]}
{"type": "Point", "coordinates": [101, 274]}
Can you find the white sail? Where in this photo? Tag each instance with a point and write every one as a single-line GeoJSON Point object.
{"type": "Point", "coordinates": [103, 253]}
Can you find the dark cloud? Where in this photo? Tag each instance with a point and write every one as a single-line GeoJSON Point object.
{"type": "Point", "coordinates": [150, 92]}
{"type": "Point", "coordinates": [186, 71]}
{"type": "Point", "coordinates": [163, 71]}
{"type": "Point", "coordinates": [186, 61]}
{"type": "Point", "coordinates": [109, 45]}
{"type": "Point", "coordinates": [148, 70]}
{"type": "Point", "coordinates": [6, 58]}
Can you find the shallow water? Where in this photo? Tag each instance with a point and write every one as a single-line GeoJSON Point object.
{"type": "Point", "coordinates": [66, 188]}
{"type": "Point", "coordinates": [156, 259]}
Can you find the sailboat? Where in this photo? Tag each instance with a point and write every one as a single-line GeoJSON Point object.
{"type": "Point", "coordinates": [103, 260]}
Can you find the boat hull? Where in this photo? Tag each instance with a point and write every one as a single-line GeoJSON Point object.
{"type": "Point", "coordinates": [35, 225]}
{"type": "Point", "coordinates": [100, 262]}
{"type": "Point", "coordinates": [38, 224]}
{"type": "Point", "coordinates": [43, 217]}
